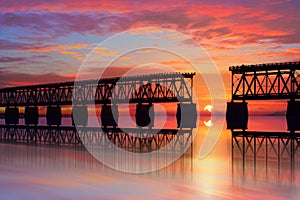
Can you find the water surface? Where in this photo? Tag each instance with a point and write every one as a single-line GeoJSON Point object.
{"type": "Point", "coordinates": [51, 172]}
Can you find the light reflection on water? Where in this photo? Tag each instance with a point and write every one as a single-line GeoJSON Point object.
{"type": "Point", "coordinates": [49, 172]}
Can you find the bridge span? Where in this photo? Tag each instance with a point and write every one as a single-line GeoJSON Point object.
{"type": "Point", "coordinates": [262, 82]}
{"type": "Point", "coordinates": [142, 90]}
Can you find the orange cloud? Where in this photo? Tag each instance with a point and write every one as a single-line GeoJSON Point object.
{"type": "Point", "coordinates": [106, 52]}
{"type": "Point", "coordinates": [293, 50]}
{"type": "Point", "coordinates": [217, 11]}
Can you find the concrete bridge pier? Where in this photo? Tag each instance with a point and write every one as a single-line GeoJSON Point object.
{"type": "Point", "coordinates": [144, 115]}
{"type": "Point", "coordinates": [186, 115]}
{"type": "Point", "coordinates": [12, 115]}
{"type": "Point", "coordinates": [293, 115]}
{"type": "Point", "coordinates": [31, 115]}
{"type": "Point", "coordinates": [237, 115]}
{"type": "Point", "coordinates": [80, 115]}
{"type": "Point", "coordinates": [109, 115]}
{"type": "Point", "coordinates": [54, 115]}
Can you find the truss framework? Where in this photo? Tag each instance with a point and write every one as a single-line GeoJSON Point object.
{"type": "Point", "coordinates": [266, 81]}
{"type": "Point", "coordinates": [173, 87]}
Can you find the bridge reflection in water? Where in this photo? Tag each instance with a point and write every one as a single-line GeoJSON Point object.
{"type": "Point", "coordinates": [130, 139]}
{"type": "Point", "coordinates": [69, 140]}
{"type": "Point", "coordinates": [265, 156]}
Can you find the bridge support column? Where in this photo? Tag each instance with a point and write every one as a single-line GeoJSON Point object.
{"type": "Point", "coordinates": [186, 115]}
{"type": "Point", "coordinates": [31, 115]}
{"type": "Point", "coordinates": [293, 115]}
{"type": "Point", "coordinates": [54, 115]}
{"type": "Point", "coordinates": [144, 115]}
{"type": "Point", "coordinates": [109, 115]}
{"type": "Point", "coordinates": [237, 115]}
{"type": "Point", "coordinates": [80, 115]}
{"type": "Point", "coordinates": [12, 115]}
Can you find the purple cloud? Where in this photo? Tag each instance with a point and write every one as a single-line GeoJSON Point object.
{"type": "Point", "coordinates": [12, 59]}
{"type": "Point", "coordinates": [8, 79]}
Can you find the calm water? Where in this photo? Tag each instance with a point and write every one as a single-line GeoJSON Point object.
{"type": "Point", "coordinates": [48, 172]}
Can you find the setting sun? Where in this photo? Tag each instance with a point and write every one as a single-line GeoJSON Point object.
{"type": "Point", "coordinates": [208, 108]}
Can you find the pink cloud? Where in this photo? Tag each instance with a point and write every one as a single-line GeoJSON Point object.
{"type": "Point", "coordinates": [233, 32]}
{"type": "Point", "coordinates": [248, 23]}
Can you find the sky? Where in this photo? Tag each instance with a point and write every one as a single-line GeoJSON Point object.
{"type": "Point", "coordinates": [47, 41]}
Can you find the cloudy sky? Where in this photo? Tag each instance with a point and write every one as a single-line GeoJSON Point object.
{"type": "Point", "coordinates": [47, 41]}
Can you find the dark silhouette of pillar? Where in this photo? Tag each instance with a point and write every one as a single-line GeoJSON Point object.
{"type": "Point", "coordinates": [293, 115]}
{"type": "Point", "coordinates": [144, 115]}
{"type": "Point", "coordinates": [54, 115]}
{"type": "Point", "coordinates": [12, 115]}
{"type": "Point", "coordinates": [80, 115]}
{"type": "Point", "coordinates": [186, 115]}
{"type": "Point", "coordinates": [237, 115]}
{"type": "Point", "coordinates": [109, 115]}
{"type": "Point", "coordinates": [31, 115]}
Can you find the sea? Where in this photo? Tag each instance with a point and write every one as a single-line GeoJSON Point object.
{"type": "Point", "coordinates": [261, 162]}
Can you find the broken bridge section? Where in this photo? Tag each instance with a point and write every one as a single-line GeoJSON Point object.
{"type": "Point", "coordinates": [263, 82]}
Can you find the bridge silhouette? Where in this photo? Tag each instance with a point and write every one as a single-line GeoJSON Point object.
{"type": "Point", "coordinates": [266, 81]}
{"type": "Point", "coordinates": [142, 90]}
{"type": "Point", "coordinates": [262, 82]}
{"type": "Point", "coordinates": [153, 88]}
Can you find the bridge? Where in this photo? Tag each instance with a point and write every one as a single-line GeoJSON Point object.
{"type": "Point", "coordinates": [153, 88]}
{"type": "Point", "coordinates": [143, 90]}
{"type": "Point", "coordinates": [271, 81]}
{"type": "Point", "coordinates": [266, 81]}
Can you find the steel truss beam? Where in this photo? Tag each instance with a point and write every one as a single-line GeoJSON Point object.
{"type": "Point", "coordinates": [171, 87]}
{"type": "Point", "coordinates": [266, 81]}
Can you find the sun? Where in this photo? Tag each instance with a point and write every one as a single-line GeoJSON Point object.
{"type": "Point", "coordinates": [208, 108]}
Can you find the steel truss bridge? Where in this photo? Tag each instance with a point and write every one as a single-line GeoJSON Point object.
{"type": "Point", "coordinates": [272, 81]}
{"type": "Point", "coordinates": [172, 87]}
{"type": "Point", "coordinates": [131, 139]}
{"type": "Point", "coordinates": [266, 81]}
{"type": "Point", "coordinates": [143, 90]}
